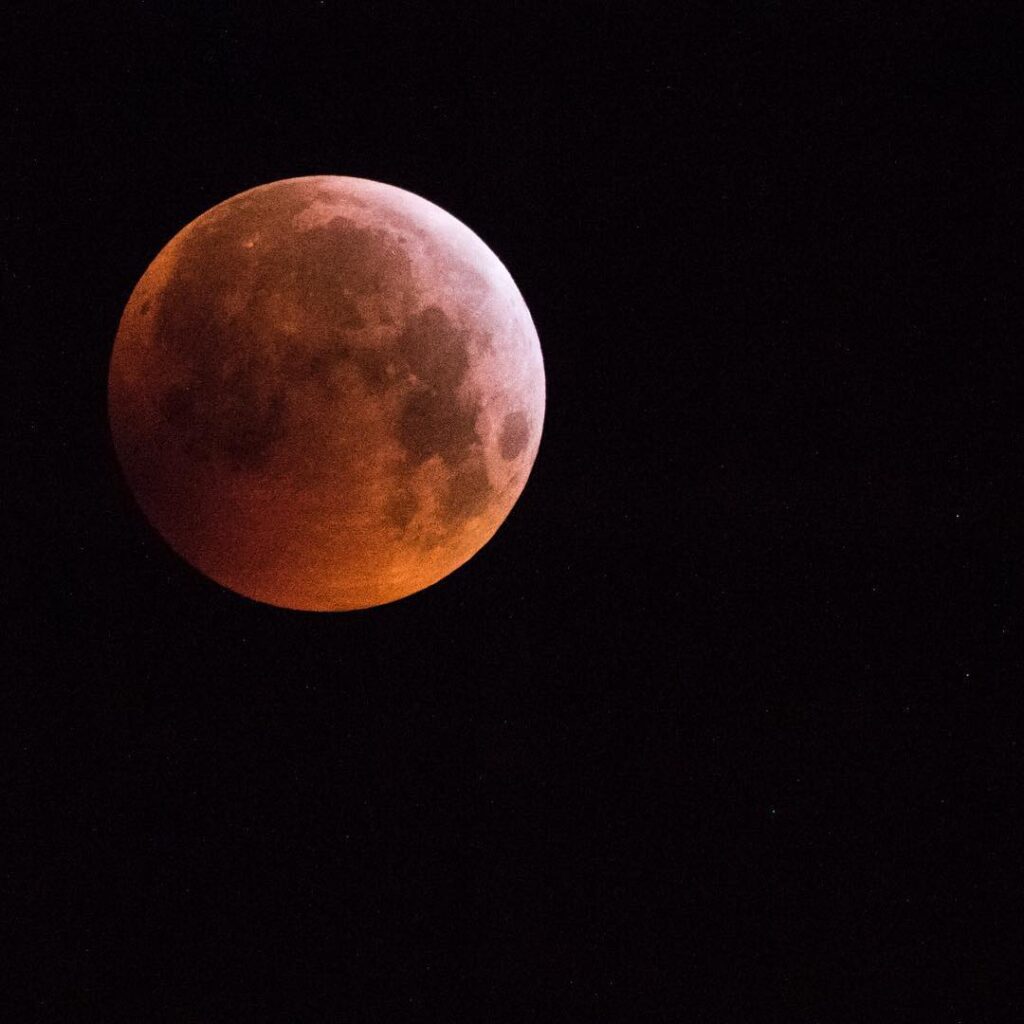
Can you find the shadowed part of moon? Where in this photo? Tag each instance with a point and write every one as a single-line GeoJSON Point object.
{"type": "Point", "coordinates": [341, 400]}
{"type": "Point", "coordinates": [238, 361]}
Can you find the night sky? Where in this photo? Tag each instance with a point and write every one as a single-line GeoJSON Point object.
{"type": "Point", "coordinates": [724, 724]}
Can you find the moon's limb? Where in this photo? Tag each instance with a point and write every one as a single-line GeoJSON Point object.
{"type": "Point", "coordinates": [326, 393]}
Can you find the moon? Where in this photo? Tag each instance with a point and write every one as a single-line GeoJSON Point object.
{"type": "Point", "coordinates": [326, 393]}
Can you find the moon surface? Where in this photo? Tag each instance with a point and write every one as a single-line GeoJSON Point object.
{"type": "Point", "coordinates": [326, 393]}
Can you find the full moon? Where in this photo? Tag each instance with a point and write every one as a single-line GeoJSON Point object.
{"type": "Point", "coordinates": [326, 393]}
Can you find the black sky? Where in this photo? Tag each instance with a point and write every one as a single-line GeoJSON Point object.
{"type": "Point", "coordinates": [724, 724]}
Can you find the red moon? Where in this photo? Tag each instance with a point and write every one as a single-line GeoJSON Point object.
{"type": "Point", "coordinates": [326, 393]}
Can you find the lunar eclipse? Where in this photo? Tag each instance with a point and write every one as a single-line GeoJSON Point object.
{"type": "Point", "coordinates": [326, 393]}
